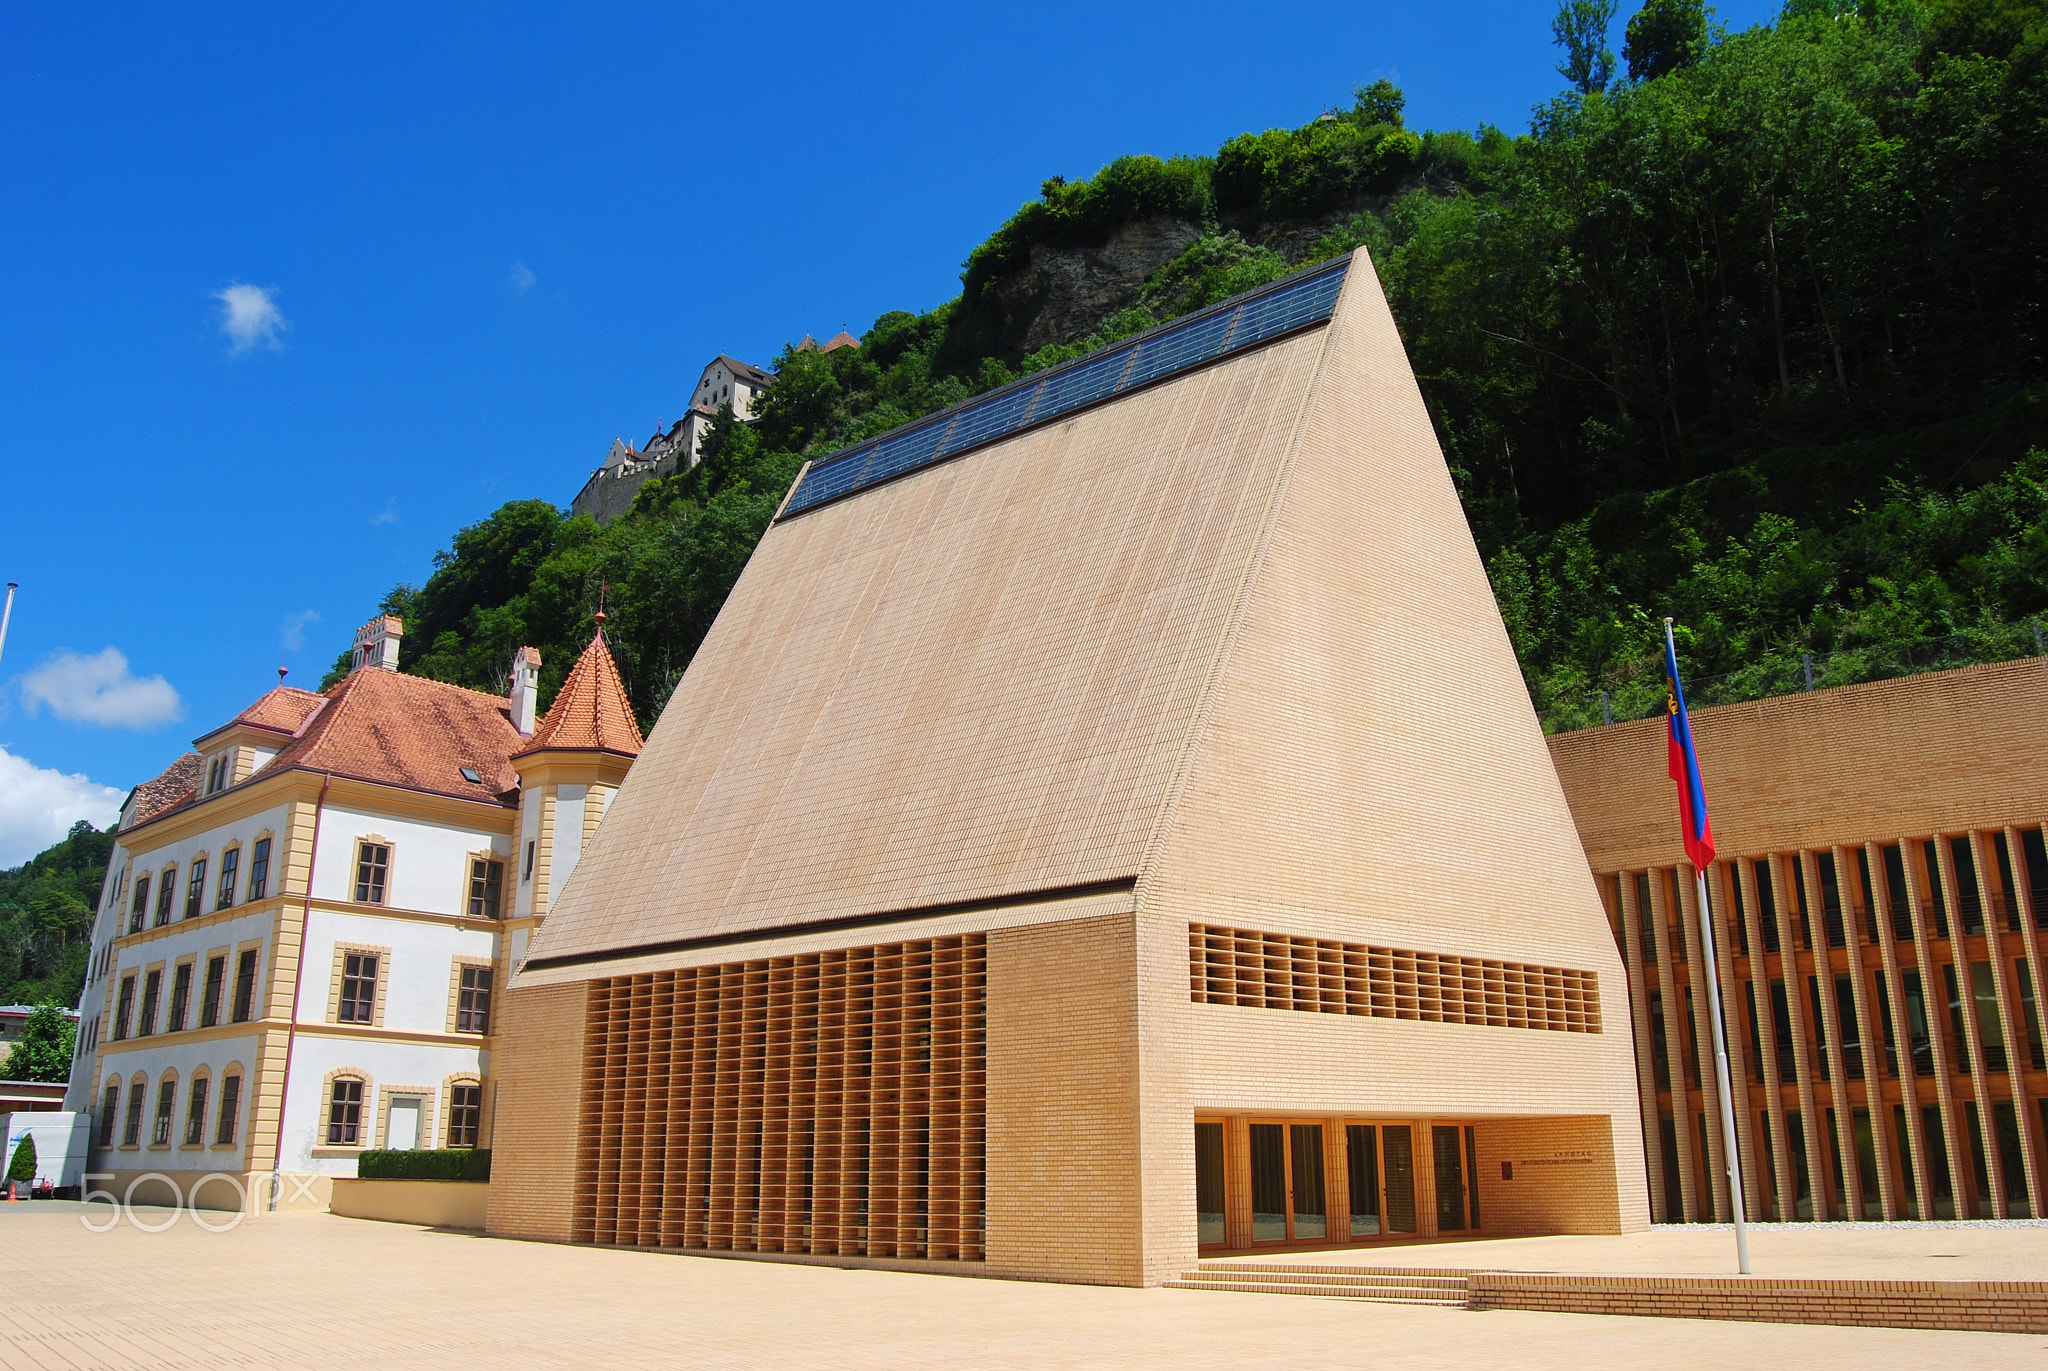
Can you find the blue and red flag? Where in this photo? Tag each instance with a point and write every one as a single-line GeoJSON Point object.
{"type": "Point", "coordinates": [1685, 766]}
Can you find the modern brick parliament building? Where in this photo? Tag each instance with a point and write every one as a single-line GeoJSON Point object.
{"type": "Point", "coordinates": [1065, 853]}
{"type": "Point", "coordinates": [1881, 901]}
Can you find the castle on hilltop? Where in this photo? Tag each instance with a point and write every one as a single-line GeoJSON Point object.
{"type": "Point", "coordinates": [724, 381]}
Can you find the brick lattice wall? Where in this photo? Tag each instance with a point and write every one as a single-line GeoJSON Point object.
{"type": "Point", "coordinates": [828, 1103]}
{"type": "Point", "coordinates": [1278, 971]}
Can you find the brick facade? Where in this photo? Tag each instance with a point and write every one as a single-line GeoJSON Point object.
{"type": "Point", "coordinates": [1175, 660]}
{"type": "Point", "coordinates": [1879, 901]}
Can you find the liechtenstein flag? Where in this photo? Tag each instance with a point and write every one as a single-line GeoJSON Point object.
{"type": "Point", "coordinates": [1685, 766]}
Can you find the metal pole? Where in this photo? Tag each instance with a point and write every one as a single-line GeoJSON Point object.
{"type": "Point", "coordinates": [1735, 1196]}
{"type": "Point", "coordinates": [7, 614]}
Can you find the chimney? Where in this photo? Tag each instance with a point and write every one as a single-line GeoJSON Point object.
{"type": "Point", "coordinates": [377, 644]}
{"type": "Point", "coordinates": [525, 689]}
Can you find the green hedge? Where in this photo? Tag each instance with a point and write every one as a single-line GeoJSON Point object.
{"type": "Point", "coordinates": [437, 1164]}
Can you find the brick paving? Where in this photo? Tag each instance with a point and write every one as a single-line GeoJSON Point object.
{"type": "Point", "coordinates": [2013, 1250]}
{"type": "Point", "coordinates": [317, 1290]}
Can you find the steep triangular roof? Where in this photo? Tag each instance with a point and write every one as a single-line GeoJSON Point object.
{"type": "Point", "coordinates": [841, 339]}
{"type": "Point", "coordinates": [1219, 638]}
{"type": "Point", "coordinates": [590, 712]}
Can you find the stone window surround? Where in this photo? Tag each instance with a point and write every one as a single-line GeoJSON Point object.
{"type": "Point", "coordinates": [269, 835]}
{"type": "Point", "coordinates": [341, 952]}
{"type": "Point", "coordinates": [366, 1127]}
{"type": "Point", "coordinates": [483, 1120]}
{"type": "Point", "coordinates": [455, 994]}
{"type": "Point", "coordinates": [192, 904]}
{"type": "Point", "coordinates": [356, 865]}
{"type": "Point", "coordinates": [232, 1071]}
{"type": "Point", "coordinates": [235, 846]}
{"type": "Point", "coordinates": [259, 1009]}
{"type": "Point", "coordinates": [178, 1130]}
{"type": "Point", "coordinates": [193, 991]}
{"type": "Point", "coordinates": [469, 861]}
{"type": "Point", "coordinates": [169, 1076]}
{"type": "Point", "coordinates": [139, 1082]}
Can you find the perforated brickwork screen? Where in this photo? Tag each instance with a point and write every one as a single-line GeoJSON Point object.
{"type": "Point", "coordinates": [1280, 971]}
{"type": "Point", "coordinates": [828, 1103]}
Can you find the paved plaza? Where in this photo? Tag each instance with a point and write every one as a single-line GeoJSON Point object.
{"type": "Point", "coordinates": [317, 1290]}
{"type": "Point", "coordinates": [2014, 1250]}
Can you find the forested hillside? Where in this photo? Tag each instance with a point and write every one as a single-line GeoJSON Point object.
{"type": "Point", "coordinates": [46, 910]}
{"type": "Point", "coordinates": [1749, 335]}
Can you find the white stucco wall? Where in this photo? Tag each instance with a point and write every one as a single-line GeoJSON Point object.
{"type": "Point", "coordinates": [413, 981]}
{"type": "Point", "coordinates": [429, 861]}
{"type": "Point", "coordinates": [419, 1068]}
{"type": "Point", "coordinates": [218, 1056]}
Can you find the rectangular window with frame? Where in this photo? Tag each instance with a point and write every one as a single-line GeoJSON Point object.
{"type": "Point", "coordinates": [124, 1007]}
{"type": "Point", "coordinates": [131, 1129]}
{"type": "Point", "coordinates": [152, 995]}
{"type": "Point", "coordinates": [110, 1114]}
{"type": "Point", "coordinates": [465, 1114]}
{"type": "Point", "coordinates": [139, 910]}
{"type": "Point", "coordinates": [166, 892]}
{"type": "Point", "coordinates": [527, 873]}
{"type": "Point", "coordinates": [345, 1113]}
{"type": "Point", "coordinates": [209, 997]}
{"type": "Point", "coordinates": [245, 986]}
{"type": "Point", "coordinates": [486, 887]}
{"type": "Point", "coordinates": [259, 869]}
{"type": "Point", "coordinates": [166, 1102]}
{"type": "Point", "coordinates": [195, 888]}
{"type": "Point", "coordinates": [358, 1002]}
{"type": "Point", "coordinates": [195, 1113]}
{"type": "Point", "coordinates": [181, 996]}
{"type": "Point", "coordinates": [473, 1001]}
{"type": "Point", "coordinates": [373, 864]}
{"type": "Point", "coordinates": [230, 870]}
{"type": "Point", "coordinates": [230, 1111]}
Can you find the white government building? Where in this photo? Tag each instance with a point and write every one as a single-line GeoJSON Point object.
{"type": "Point", "coordinates": [307, 920]}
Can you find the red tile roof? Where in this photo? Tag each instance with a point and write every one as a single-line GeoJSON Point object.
{"type": "Point", "coordinates": [178, 784]}
{"type": "Point", "coordinates": [393, 729]}
{"type": "Point", "coordinates": [282, 710]}
{"type": "Point", "coordinates": [841, 339]}
{"type": "Point", "coordinates": [590, 712]}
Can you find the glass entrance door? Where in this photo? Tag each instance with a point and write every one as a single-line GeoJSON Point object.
{"type": "Point", "coordinates": [1380, 1160]}
{"type": "Point", "coordinates": [1290, 1194]}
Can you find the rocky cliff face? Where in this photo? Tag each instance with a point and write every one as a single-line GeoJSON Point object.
{"type": "Point", "coordinates": [1064, 293]}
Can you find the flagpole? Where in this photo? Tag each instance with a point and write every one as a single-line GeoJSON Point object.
{"type": "Point", "coordinates": [1735, 1196]}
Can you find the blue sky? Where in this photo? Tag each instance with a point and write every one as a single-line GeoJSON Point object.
{"type": "Point", "coordinates": [289, 293]}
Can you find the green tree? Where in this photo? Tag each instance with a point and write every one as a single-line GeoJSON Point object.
{"type": "Point", "coordinates": [43, 1052]}
{"type": "Point", "coordinates": [1663, 36]}
{"type": "Point", "coordinates": [23, 1166]}
{"type": "Point", "coordinates": [1580, 28]}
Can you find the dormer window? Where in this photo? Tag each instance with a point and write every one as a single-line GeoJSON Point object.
{"type": "Point", "coordinates": [219, 772]}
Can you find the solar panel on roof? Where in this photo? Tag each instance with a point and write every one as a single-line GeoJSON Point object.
{"type": "Point", "coordinates": [1233, 326]}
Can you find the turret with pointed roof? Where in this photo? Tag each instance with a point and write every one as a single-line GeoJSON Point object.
{"type": "Point", "coordinates": [570, 770]}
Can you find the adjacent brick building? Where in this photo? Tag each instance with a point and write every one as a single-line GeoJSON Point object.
{"type": "Point", "coordinates": [1880, 896]}
{"type": "Point", "coordinates": [1064, 854]}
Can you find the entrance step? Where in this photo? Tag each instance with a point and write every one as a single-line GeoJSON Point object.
{"type": "Point", "coordinates": [1383, 1284]}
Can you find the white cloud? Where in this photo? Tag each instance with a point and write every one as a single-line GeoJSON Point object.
{"type": "Point", "coordinates": [99, 690]}
{"type": "Point", "coordinates": [250, 317]}
{"type": "Point", "coordinates": [521, 278]}
{"type": "Point", "coordinates": [39, 805]}
{"type": "Point", "coordinates": [388, 514]}
{"type": "Point", "coordinates": [293, 632]}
